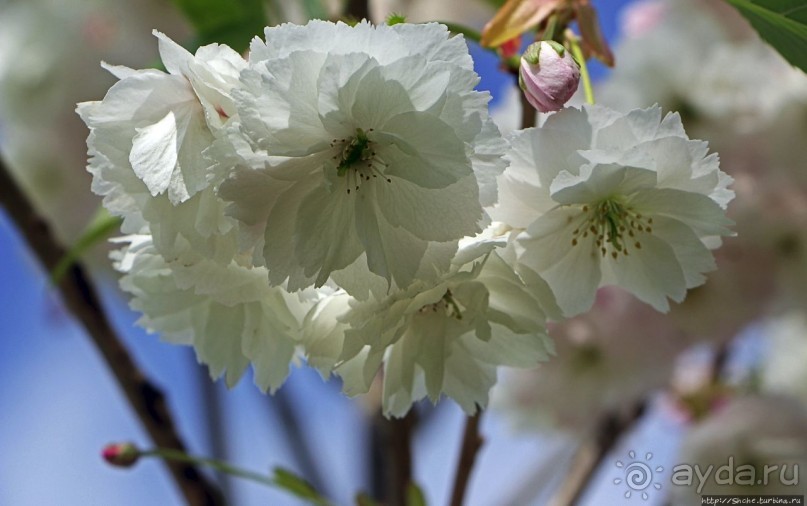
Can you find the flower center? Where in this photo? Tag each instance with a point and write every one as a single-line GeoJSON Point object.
{"type": "Point", "coordinates": [446, 304]}
{"type": "Point", "coordinates": [357, 161]}
{"type": "Point", "coordinates": [615, 226]}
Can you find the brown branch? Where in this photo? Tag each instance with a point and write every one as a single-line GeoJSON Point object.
{"type": "Point", "coordinates": [215, 424]}
{"type": "Point", "coordinates": [592, 453]}
{"type": "Point", "coordinates": [395, 435]}
{"type": "Point", "coordinates": [81, 299]}
{"type": "Point", "coordinates": [471, 443]}
{"type": "Point", "coordinates": [358, 9]}
{"type": "Point", "coordinates": [720, 361]}
{"type": "Point", "coordinates": [296, 440]}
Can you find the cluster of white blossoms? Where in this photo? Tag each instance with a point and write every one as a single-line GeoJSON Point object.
{"type": "Point", "coordinates": [330, 197]}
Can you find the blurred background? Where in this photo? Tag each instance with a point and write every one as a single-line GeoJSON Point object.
{"type": "Point", "coordinates": [722, 376]}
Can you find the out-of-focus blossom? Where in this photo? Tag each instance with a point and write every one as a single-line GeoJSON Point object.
{"type": "Point", "coordinates": [783, 370]}
{"type": "Point", "coordinates": [751, 105]}
{"type": "Point", "coordinates": [641, 17]}
{"type": "Point", "coordinates": [742, 438]}
{"type": "Point", "coordinates": [49, 60]}
{"type": "Point", "coordinates": [737, 293]}
{"type": "Point", "coordinates": [548, 75]}
{"type": "Point", "coordinates": [607, 360]}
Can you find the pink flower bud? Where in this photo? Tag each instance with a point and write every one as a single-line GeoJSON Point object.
{"type": "Point", "coordinates": [548, 75]}
{"type": "Point", "coordinates": [121, 454]}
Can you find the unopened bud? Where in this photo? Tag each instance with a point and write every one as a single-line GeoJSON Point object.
{"type": "Point", "coordinates": [510, 48]}
{"type": "Point", "coordinates": [121, 454]}
{"type": "Point", "coordinates": [548, 75]}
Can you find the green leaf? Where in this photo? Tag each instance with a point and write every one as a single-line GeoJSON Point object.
{"type": "Point", "coordinates": [781, 23]}
{"type": "Point", "coordinates": [231, 22]}
{"type": "Point", "coordinates": [414, 496]}
{"type": "Point", "coordinates": [101, 227]}
{"type": "Point", "coordinates": [365, 500]}
{"type": "Point", "coordinates": [315, 10]}
{"type": "Point", "coordinates": [458, 29]}
{"type": "Point", "coordinates": [297, 486]}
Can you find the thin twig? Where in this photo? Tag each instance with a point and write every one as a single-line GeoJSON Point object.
{"type": "Point", "coordinates": [720, 361]}
{"type": "Point", "coordinates": [400, 456]}
{"type": "Point", "coordinates": [81, 299]}
{"type": "Point", "coordinates": [215, 425]}
{"type": "Point", "coordinates": [298, 444]}
{"type": "Point", "coordinates": [591, 454]}
{"type": "Point", "coordinates": [471, 443]}
{"type": "Point", "coordinates": [395, 438]}
{"type": "Point", "coordinates": [529, 115]}
{"type": "Point", "coordinates": [376, 463]}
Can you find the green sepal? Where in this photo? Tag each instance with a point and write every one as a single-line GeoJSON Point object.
{"type": "Point", "coordinates": [557, 46]}
{"type": "Point", "coordinates": [533, 53]}
{"type": "Point", "coordinates": [395, 19]}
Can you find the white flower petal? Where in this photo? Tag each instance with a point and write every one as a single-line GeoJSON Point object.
{"type": "Point", "coordinates": [573, 272]}
{"type": "Point", "coordinates": [652, 273]}
{"type": "Point", "coordinates": [154, 153]}
{"type": "Point", "coordinates": [423, 150]}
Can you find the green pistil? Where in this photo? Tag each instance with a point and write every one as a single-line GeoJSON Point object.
{"type": "Point", "coordinates": [452, 306]}
{"type": "Point", "coordinates": [356, 150]}
{"type": "Point", "coordinates": [586, 357]}
{"type": "Point", "coordinates": [615, 226]}
{"type": "Point", "coordinates": [611, 215]}
{"type": "Point", "coordinates": [446, 304]}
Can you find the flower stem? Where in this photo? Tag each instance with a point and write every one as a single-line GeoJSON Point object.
{"type": "Point", "coordinates": [283, 479]}
{"type": "Point", "coordinates": [223, 467]}
{"type": "Point", "coordinates": [577, 51]}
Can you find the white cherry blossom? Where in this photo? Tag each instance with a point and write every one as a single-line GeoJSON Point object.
{"type": "Point", "coordinates": [440, 338]}
{"type": "Point", "coordinates": [147, 145]}
{"type": "Point", "coordinates": [228, 313]}
{"type": "Point", "coordinates": [607, 198]}
{"type": "Point", "coordinates": [363, 145]}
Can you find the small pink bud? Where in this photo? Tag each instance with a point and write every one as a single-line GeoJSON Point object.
{"type": "Point", "coordinates": [510, 48]}
{"type": "Point", "coordinates": [548, 75]}
{"type": "Point", "coordinates": [121, 454]}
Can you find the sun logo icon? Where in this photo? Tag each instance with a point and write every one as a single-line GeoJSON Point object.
{"type": "Point", "coordinates": [638, 475]}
